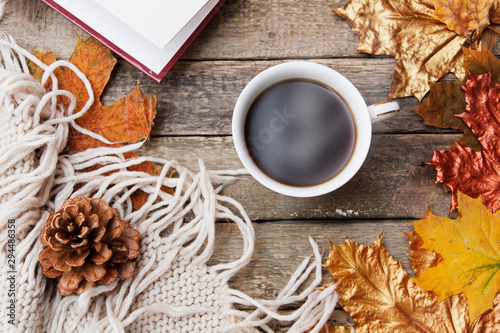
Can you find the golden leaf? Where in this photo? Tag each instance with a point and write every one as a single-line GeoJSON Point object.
{"type": "Point", "coordinates": [466, 17]}
{"type": "Point", "coordinates": [335, 329]}
{"type": "Point", "coordinates": [380, 296]}
{"type": "Point", "coordinates": [424, 47]}
{"type": "Point", "coordinates": [470, 248]}
{"type": "Point", "coordinates": [421, 259]}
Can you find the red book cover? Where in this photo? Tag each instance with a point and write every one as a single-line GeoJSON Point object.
{"type": "Point", "coordinates": [164, 60]}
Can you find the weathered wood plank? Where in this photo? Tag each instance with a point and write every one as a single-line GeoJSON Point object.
{"type": "Point", "coordinates": [393, 183]}
{"type": "Point", "coordinates": [197, 98]}
{"type": "Point", "coordinates": [243, 29]}
{"type": "Point", "coordinates": [277, 29]}
{"type": "Point", "coordinates": [280, 248]}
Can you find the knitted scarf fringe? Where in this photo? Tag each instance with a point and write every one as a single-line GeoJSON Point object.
{"type": "Point", "coordinates": [35, 178]}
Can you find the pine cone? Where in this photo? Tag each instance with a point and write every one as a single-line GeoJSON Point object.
{"type": "Point", "coordinates": [87, 244]}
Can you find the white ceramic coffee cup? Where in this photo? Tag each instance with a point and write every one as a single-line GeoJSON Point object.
{"type": "Point", "coordinates": [362, 114]}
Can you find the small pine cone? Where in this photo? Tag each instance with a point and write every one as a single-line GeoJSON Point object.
{"type": "Point", "coordinates": [87, 244]}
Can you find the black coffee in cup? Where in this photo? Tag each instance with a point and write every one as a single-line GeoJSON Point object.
{"type": "Point", "coordinates": [300, 132]}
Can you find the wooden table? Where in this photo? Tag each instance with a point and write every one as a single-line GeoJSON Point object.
{"type": "Point", "coordinates": [195, 104]}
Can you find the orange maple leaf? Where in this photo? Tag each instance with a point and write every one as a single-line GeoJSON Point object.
{"type": "Point", "coordinates": [127, 120]}
{"type": "Point", "coordinates": [467, 18]}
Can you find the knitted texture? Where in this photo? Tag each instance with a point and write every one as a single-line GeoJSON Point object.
{"type": "Point", "coordinates": [29, 152]}
{"type": "Point", "coordinates": [173, 288]}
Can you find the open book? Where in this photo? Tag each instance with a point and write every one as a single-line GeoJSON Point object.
{"type": "Point", "coordinates": [150, 34]}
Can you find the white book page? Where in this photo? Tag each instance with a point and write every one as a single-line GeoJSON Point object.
{"type": "Point", "coordinates": [157, 20]}
{"type": "Point", "coordinates": [127, 38]}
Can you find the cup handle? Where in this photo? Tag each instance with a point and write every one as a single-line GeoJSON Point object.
{"type": "Point", "coordinates": [383, 110]}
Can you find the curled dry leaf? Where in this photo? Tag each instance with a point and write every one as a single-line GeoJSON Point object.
{"type": "Point", "coordinates": [421, 259]}
{"type": "Point", "coordinates": [426, 41]}
{"type": "Point", "coordinates": [470, 251]}
{"type": "Point", "coordinates": [380, 296]}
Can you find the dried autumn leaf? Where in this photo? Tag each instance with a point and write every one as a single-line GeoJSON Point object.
{"type": "Point", "coordinates": [125, 121]}
{"type": "Point", "coordinates": [465, 17]}
{"type": "Point", "coordinates": [421, 259]}
{"type": "Point", "coordinates": [463, 169]}
{"type": "Point", "coordinates": [128, 120]}
{"type": "Point", "coordinates": [470, 248]}
{"type": "Point", "coordinates": [424, 47]}
{"type": "Point", "coordinates": [482, 62]}
{"type": "Point", "coordinates": [96, 62]}
{"type": "Point", "coordinates": [380, 296]}
{"type": "Point", "coordinates": [447, 99]}
{"type": "Point", "coordinates": [47, 58]}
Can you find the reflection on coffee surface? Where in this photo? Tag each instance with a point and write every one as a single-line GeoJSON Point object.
{"type": "Point", "coordinates": [300, 132]}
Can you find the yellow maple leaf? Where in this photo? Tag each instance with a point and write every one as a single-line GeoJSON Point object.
{"type": "Point", "coordinates": [470, 248]}
{"type": "Point", "coordinates": [380, 296]}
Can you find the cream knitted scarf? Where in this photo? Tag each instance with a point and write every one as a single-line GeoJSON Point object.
{"type": "Point", "coordinates": [173, 288]}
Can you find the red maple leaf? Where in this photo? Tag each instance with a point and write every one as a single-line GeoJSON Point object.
{"type": "Point", "coordinates": [463, 169]}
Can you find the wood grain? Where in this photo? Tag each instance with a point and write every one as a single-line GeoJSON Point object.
{"type": "Point", "coordinates": [242, 29]}
{"type": "Point", "coordinates": [197, 98]}
{"type": "Point", "coordinates": [198, 95]}
{"type": "Point", "coordinates": [281, 247]}
{"type": "Point", "coordinates": [393, 183]}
